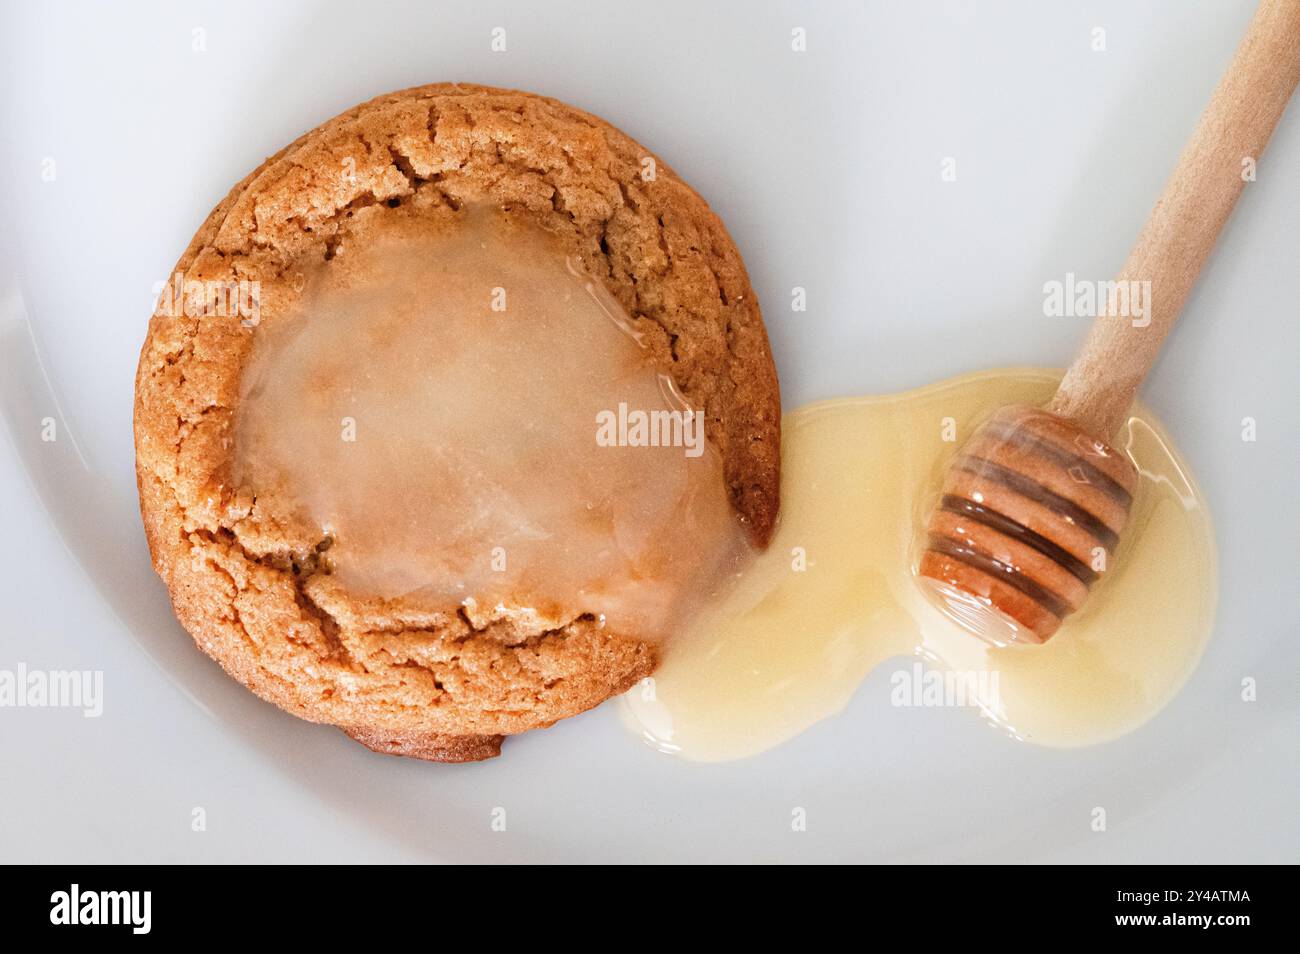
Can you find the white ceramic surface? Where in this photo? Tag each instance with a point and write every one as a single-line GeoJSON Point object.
{"type": "Point", "coordinates": [826, 167]}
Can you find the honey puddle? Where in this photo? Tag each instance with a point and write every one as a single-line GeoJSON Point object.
{"type": "Point", "coordinates": [835, 595]}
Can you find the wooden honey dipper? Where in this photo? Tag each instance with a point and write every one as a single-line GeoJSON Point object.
{"type": "Point", "coordinates": [1034, 504]}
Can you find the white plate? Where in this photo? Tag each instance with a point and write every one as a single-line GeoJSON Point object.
{"type": "Point", "coordinates": [826, 167]}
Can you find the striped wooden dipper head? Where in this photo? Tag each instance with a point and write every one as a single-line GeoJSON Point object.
{"type": "Point", "coordinates": [1030, 514]}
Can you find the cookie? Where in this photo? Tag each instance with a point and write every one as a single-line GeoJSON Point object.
{"type": "Point", "coordinates": [282, 602]}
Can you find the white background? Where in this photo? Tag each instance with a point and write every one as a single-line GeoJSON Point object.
{"type": "Point", "coordinates": [825, 166]}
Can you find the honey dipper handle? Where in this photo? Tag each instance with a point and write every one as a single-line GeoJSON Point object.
{"type": "Point", "coordinates": [1100, 385]}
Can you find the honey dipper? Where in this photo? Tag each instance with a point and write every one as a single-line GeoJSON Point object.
{"type": "Point", "coordinates": [1033, 505]}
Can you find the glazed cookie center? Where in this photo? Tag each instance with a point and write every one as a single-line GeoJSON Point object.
{"type": "Point", "coordinates": [471, 420]}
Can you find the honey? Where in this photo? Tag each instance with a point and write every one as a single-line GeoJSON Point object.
{"type": "Point", "coordinates": [837, 594]}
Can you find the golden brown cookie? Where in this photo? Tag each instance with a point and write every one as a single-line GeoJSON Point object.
{"type": "Point", "coordinates": [445, 684]}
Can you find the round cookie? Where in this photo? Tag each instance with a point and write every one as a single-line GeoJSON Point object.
{"type": "Point", "coordinates": [445, 685]}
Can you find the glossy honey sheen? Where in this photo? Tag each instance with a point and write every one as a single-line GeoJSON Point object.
{"type": "Point", "coordinates": [836, 595]}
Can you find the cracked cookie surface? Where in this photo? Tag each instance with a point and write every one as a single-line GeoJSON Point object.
{"type": "Point", "coordinates": [444, 685]}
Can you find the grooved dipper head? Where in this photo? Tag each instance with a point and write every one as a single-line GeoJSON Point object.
{"type": "Point", "coordinates": [1031, 512]}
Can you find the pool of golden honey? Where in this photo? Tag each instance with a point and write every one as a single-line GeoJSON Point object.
{"type": "Point", "coordinates": [463, 412]}
{"type": "Point", "coordinates": [836, 595]}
